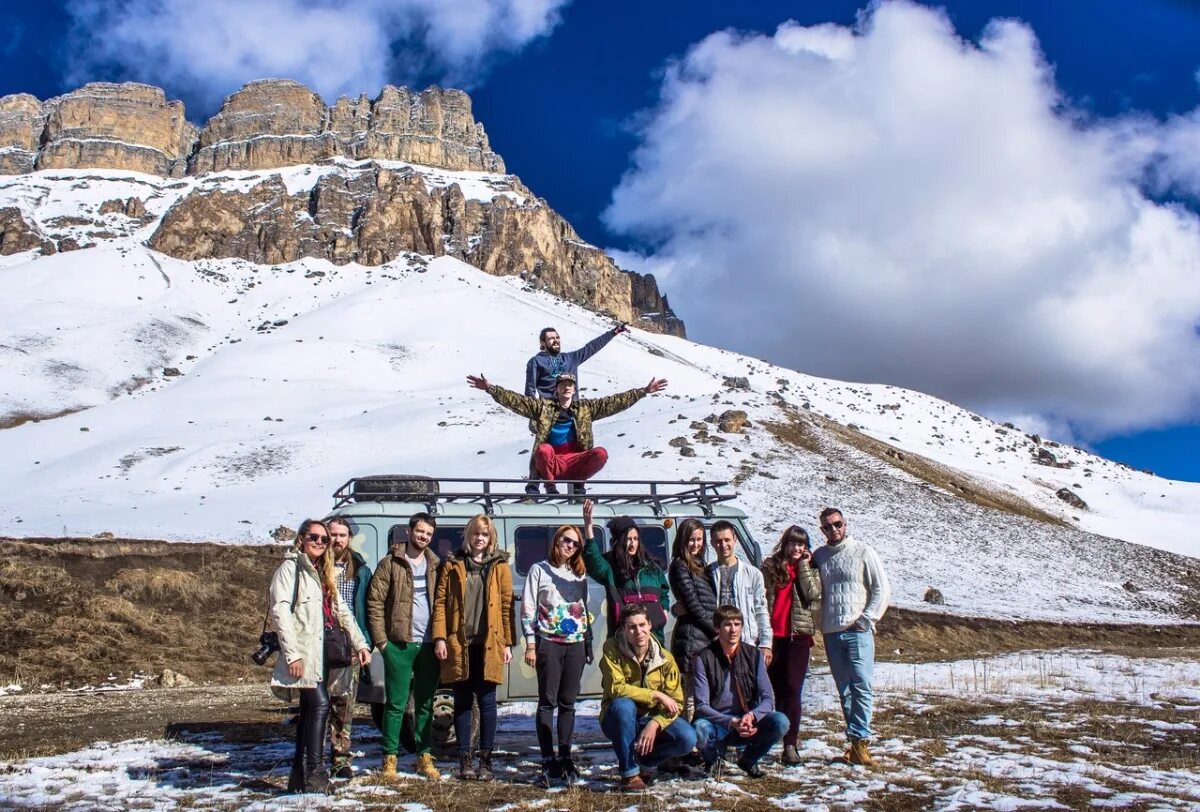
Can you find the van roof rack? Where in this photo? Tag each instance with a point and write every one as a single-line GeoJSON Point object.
{"type": "Point", "coordinates": [433, 491]}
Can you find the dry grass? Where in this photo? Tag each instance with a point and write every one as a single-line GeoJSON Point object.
{"type": "Point", "coordinates": [807, 430]}
{"type": "Point", "coordinates": [11, 421]}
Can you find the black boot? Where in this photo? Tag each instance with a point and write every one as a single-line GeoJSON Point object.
{"type": "Point", "coordinates": [316, 779]}
{"type": "Point", "coordinates": [485, 765]}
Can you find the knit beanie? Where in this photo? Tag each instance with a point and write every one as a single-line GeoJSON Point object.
{"type": "Point", "coordinates": [620, 525]}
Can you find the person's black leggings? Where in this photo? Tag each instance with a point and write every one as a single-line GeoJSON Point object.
{"type": "Point", "coordinates": [475, 688]}
{"type": "Point", "coordinates": [559, 672]}
{"type": "Point", "coordinates": [310, 735]}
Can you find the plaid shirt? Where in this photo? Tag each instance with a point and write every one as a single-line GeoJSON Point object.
{"type": "Point", "coordinates": [345, 587]}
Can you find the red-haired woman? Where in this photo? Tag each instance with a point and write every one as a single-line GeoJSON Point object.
{"type": "Point", "coordinates": [473, 636]}
{"type": "Point", "coordinates": [304, 602]}
{"type": "Point", "coordinates": [556, 624]}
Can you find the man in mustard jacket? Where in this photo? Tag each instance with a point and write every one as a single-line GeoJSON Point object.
{"type": "Point", "coordinates": [643, 697]}
{"type": "Point", "coordinates": [563, 446]}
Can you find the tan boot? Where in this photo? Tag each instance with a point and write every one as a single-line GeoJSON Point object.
{"type": "Point", "coordinates": [858, 753]}
{"type": "Point", "coordinates": [426, 768]}
{"type": "Point", "coordinates": [388, 773]}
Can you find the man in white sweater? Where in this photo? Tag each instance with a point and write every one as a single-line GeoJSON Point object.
{"type": "Point", "coordinates": [854, 596]}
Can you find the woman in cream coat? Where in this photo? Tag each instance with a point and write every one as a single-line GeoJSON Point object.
{"type": "Point", "coordinates": [304, 600]}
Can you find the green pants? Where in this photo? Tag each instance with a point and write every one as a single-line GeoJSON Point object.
{"type": "Point", "coordinates": [409, 666]}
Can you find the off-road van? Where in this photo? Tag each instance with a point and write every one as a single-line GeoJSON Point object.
{"type": "Point", "coordinates": [378, 507]}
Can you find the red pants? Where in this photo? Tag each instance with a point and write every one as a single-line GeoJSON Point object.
{"type": "Point", "coordinates": [568, 462]}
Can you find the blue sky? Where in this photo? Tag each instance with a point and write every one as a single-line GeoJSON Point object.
{"type": "Point", "coordinates": [999, 214]}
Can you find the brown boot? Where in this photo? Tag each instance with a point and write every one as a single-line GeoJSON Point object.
{"type": "Point", "coordinates": [466, 767]}
{"type": "Point", "coordinates": [485, 766]}
{"type": "Point", "coordinates": [388, 772]}
{"type": "Point", "coordinates": [858, 753]}
{"type": "Point", "coordinates": [426, 768]}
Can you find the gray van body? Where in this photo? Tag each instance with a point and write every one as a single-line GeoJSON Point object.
{"type": "Point", "coordinates": [525, 527]}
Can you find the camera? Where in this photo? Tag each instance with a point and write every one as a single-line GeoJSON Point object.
{"type": "Point", "coordinates": [268, 644]}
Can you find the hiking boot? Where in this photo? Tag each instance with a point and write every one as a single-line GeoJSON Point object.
{"type": "Point", "coordinates": [388, 772]}
{"type": "Point", "coordinates": [751, 769]}
{"type": "Point", "coordinates": [578, 489]}
{"type": "Point", "coordinates": [466, 767]}
{"type": "Point", "coordinates": [485, 765]}
{"type": "Point", "coordinates": [316, 779]}
{"type": "Point", "coordinates": [714, 769]}
{"type": "Point", "coordinates": [551, 769]}
{"type": "Point", "coordinates": [551, 488]}
{"type": "Point", "coordinates": [791, 756]}
{"type": "Point", "coordinates": [568, 771]}
{"type": "Point", "coordinates": [858, 753]}
{"type": "Point", "coordinates": [531, 489]}
{"type": "Point", "coordinates": [343, 771]}
{"type": "Point", "coordinates": [426, 768]}
{"type": "Point", "coordinates": [633, 783]}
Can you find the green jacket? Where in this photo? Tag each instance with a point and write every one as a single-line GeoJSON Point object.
{"type": "Point", "coordinates": [542, 413]}
{"type": "Point", "coordinates": [623, 676]}
{"type": "Point", "coordinates": [648, 579]}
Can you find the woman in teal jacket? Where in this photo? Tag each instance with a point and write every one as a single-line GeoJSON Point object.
{"type": "Point", "coordinates": [627, 574]}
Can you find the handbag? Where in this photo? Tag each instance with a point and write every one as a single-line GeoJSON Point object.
{"type": "Point", "coordinates": [337, 643]}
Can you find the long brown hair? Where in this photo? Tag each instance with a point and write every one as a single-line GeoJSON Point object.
{"type": "Point", "coordinates": [679, 549]}
{"type": "Point", "coordinates": [575, 561]}
{"type": "Point", "coordinates": [324, 563]}
{"type": "Point", "coordinates": [774, 568]}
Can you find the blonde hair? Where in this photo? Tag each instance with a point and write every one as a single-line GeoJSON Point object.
{"type": "Point", "coordinates": [482, 521]}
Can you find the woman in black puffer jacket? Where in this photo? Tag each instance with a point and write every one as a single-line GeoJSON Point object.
{"type": "Point", "coordinates": [695, 601]}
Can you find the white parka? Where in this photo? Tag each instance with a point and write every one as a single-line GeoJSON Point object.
{"type": "Point", "coordinates": [302, 630]}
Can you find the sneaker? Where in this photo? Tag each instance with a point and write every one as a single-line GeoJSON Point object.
{"type": "Point", "coordinates": [531, 489]}
{"type": "Point", "coordinates": [426, 768]}
{"type": "Point", "coordinates": [549, 771]}
{"type": "Point", "coordinates": [633, 783]}
{"type": "Point", "coordinates": [578, 489]}
{"type": "Point", "coordinates": [551, 488]}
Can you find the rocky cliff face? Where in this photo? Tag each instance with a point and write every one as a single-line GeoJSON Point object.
{"type": "Point", "coordinates": [367, 213]}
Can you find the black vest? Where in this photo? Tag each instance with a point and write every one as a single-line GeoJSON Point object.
{"type": "Point", "coordinates": [745, 674]}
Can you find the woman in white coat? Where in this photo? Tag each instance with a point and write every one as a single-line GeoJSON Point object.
{"type": "Point", "coordinates": [304, 601]}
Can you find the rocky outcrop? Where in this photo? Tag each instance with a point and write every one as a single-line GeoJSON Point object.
{"type": "Point", "coordinates": [21, 123]}
{"type": "Point", "coordinates": [116, 126]}
{"type": "Point", "coordinates": [266, 125]}
{"type": "Point", "coordinates": [377, 214]}
{"type": "Point", "coordinates": [370, 214]}
{"type": "Point", "coordinates": [17, 234]}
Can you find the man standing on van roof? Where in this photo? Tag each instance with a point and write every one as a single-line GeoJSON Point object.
{"type": "Point", "coordinates": [543, 369]}
{"type": "Point", "coordinates": [399, 605]}
{"type": "Point", "coordinates": [563, 447]}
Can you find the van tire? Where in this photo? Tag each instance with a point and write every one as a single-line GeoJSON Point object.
{"type": "Point", "coordinates": [444, 740]}
{"type": "Point", "coordinates": [393, 487]}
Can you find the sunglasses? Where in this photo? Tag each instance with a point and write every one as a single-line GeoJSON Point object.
{"type": "Point", "coordinates": [570, 542]}
{"type": "Point", "coordinates": [833, 526]}
{"type": "Point", "coordinates": [316, 538]}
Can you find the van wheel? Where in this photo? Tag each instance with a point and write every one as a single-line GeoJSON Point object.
{"type": "Point", "coordinates": [393, 487]}
{"type": "Point", "coordinates": [445, 741]}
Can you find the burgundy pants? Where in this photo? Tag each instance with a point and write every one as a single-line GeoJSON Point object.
{"type": "Point", "coordinates": [789, 667]}
{"type": "Point", "coordinates": [567, 461]}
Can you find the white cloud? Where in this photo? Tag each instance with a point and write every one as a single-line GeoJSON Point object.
{"type": "Point", "coordinates": [206, 51]}
{"type": "Point", "coordinates": [893, 203]}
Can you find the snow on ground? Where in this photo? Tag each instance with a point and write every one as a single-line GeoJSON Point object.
{"type": "Point", "coordinates": [1035, 736]}
{"type": "Point", "coordinates": [294, 378]}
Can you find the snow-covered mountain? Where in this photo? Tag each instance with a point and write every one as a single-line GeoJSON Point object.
{"type": "Point", "coordinates": [217, 399]}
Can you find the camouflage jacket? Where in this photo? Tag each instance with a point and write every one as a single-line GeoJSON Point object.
{"type": "Point", "coordinates": [543, 413]}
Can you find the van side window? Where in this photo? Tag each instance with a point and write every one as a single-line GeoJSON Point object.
{"type": "Point", "coordinates": [654, 540]}
{"type": "Point", "coordinates": [532, 543]}
{"type": "Point", "coordinates": [445, 539]}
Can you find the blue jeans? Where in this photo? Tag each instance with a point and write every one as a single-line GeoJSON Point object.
{"type": "Point", "coordinates": [713, 738]}
{"type": "Point", "coordinates": [851, 658]}
{"type": "Point", "coordinates": [622, 725]}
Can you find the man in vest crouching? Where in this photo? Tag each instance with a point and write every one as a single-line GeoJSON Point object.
{"type": "Point", "coordinates": [734, 701]}
{"type": "Point", "coordinates": [643, 697]}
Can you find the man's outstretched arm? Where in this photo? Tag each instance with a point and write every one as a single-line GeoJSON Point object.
{"type": "Point", "coordinates": [595, 345]}
{"type": "Point", "coordinates": [525, 406]}
{"type": "Point", "coordinates": [608, 406]}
